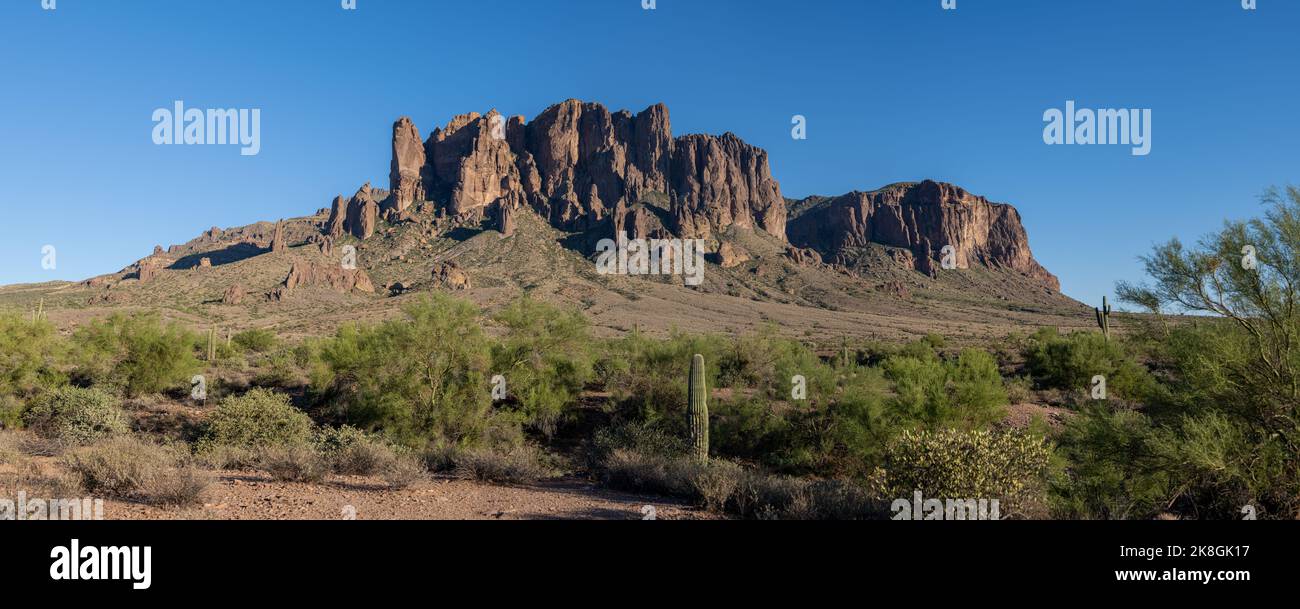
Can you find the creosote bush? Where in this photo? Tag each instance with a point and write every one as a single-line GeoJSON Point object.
{"type": "Point", "coordinates": [258, 419]}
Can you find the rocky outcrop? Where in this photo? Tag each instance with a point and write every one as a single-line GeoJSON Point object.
{"type": "Point", "coordinates": [730, 256]}
{"type": "Point", "coordinates": [719, 182]}
{"type": "Point", "coordinates": [576, 162]}
{"type": "Point", "coordinates": [408, 161]}
{"type": "Point", "coordinates": [234, 295]}
{"type": "Point", "coordinates": [363, 213]}
{"type": "Point", "coordinates": [921, 218]}
{"type": "Point", "coordinates": [506, 220]}
{"type": "Point", "coordinates": [448, 275]}
{"type": "Point", "coordinates": [278, 243]}
{"type": "Point", "coordinates": [337, 223]}
{"type": "Point", "coordinates": [311, 274]}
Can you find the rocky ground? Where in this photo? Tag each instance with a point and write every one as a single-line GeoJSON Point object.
{"type": "Point", "coordinates": [252, 495]}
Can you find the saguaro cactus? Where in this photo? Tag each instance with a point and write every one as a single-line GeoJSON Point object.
{"type": "Point", "coordinates": [212, 344]}
{"type": "Point", "coordinates": [1103, 317]}
{"type": "Point", "coordinates": [697, 410]}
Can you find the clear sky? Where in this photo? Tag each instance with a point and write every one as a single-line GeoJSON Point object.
{"type": "Point", "coordinates": [893, 90]}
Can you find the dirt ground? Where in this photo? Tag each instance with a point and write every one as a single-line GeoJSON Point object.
{"type": "Point", "coordinates": [251, 495]}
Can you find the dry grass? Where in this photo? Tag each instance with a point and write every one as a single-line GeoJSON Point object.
{"type": "Point", "coordinates": [516, 466]}
{"type": "Point", "coordinates": [726, 487]}
{"type": "Point", "coordinates": [294, 464]}
{"type": "Point", "coordinates": [401, 472]}
{"type": "Point", "coordinates": [132, 469]}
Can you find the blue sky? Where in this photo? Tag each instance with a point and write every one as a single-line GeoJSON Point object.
{"type": "Point", "coordinates": [893, 90]}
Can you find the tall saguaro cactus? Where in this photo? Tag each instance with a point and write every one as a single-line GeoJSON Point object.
{"type": "Point", "coordinates": [1103, 317]}
{"type": "Point", "coordinates": [697, 411]}
{"type": "Point", "coordinates": [212, 343]}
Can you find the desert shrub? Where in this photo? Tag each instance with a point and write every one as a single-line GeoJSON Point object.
{"type": "Point", "coordinates": [724, 486]}
{"type": "Point", "coordinates": [258, 340]}
{"type": "Point", "coordinates": [30, 355]}
{"type": "Point", "coordinates": [293, 463]}
{"type": "Point", "coordinates": [11, 412]}
{"type": "Point", "coordinates": [217, 456]}
{"type": "Point", "coordinates": [402, 471]}
{"type": "Point", "coordinates": [518, 465]}
{"type": "Point", "coordinates": [846, 438]}
{"type": "Point", "coordinates": [279, 369]}
{"type": "Point", "coordinates": [257, 419]}
{"type": "Point", "coordinates": [546, 357]}
{"type": "Point", "coordinates": [1112, 473]}
{"type": "Point", "coordinates": [649, 384]}
{"type": "Point", "coordinates": [649, 473]}
{"type": "Point", "coordinates": [352, 451]}
{"type": "Point", "coordinates": [135, 470]}
{"type": "Point", "coordinates": [1070, 362]}
{"type": "Point", "coordinates": [76, 416]}
{"type": "Point", "coordinates": [766, 361]}
{"type": "Point", "coordinates": [1020, 389]}
{"type": "Point", "coordinates": [950, 463]}
{"type": "Point", "coordinates": [10, 450]}
{"type": "Point", "coordinates": [422, 379]}
{"type": "Point", "coordinates": [715, 483]}
{"type": "Point", "coordinates": [138, 354]}
{"type": "Point", "coordinates": [965, 392]}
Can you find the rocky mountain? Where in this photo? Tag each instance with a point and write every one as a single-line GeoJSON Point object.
{"type": "Point", "coordinates": [492, 207]}
{"type": "Point", "coordinates": [920, 218]}
{"type": "Point", "coordinates": [579, 165]}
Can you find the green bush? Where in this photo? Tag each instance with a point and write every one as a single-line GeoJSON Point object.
{"type": "Point", "coordinates": [258, 340]}
{"type": "Point", "coordinates": [1112, 473]}
{"type": "Point", "coordinates": [258, 419]}
{"type": "Point", "coordinates": [30, 355]}
{"type": "Point", "coordinates": [352, 451]}
{"type": "Point", "coordinates": [965, 392]}
{"type": "Point", "coordinates": [1070, 362]}
{"type": "Point", "coordinates": [422, 379]}
{"type": "Point", "coordinates": [545, 357]}
{"type": "Point", "coordinates": [73, 415]}
{"type": "Point", "coordinates": [138, 354]}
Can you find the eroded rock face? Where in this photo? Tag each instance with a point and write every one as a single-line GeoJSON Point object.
{"type": "Point", "coordinates": [363, 213]}
{"type": "Point", "coordinates": [335, 277]}
{"type": "Point", "coordinates": [337, 223]}
{"type": "Point", "coordinates": [506, 220]}
{"type": "Point", "coordinates": [722, 181]}
{"type": "Point", "coordinates": [408, 161]}
{"type": "Point", "coordinates": [922, 218]}
{"type": "Point", "coordinates": [576, 162]}
{"type": "Point", "coordinates": [730, 256]}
